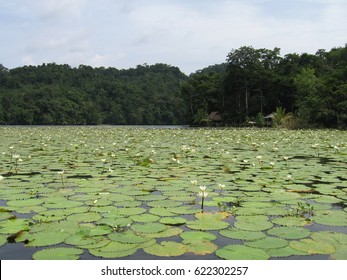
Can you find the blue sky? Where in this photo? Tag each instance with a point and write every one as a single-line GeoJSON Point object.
{"type": "Point", "coordinates": [190, 34]}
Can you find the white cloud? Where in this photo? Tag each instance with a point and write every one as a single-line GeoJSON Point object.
{"type": "Point", "coordinates": [188, 34]}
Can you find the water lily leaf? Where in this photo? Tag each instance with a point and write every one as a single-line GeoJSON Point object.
{"type": "Point", "coordinates": [207, 224]}
{"type": "Point", "coordinates": [3, 239]}
{"type": "Point", "coordinates": [341, 253]}
{"type": "Point", "coordinates": [131, 211]}
{"type": "Point", "coordinates": [112, 254]}
{"type": "Point", "coordinates": [166, 249]}
{"type": "Point", "coordinates": [331, 218]}
{"type": "Point", "coordinates": [290, 221]}
{"type": "Point", "coordinates": [58, 253]}
{"type": "Point", "coordinates": [242, 234]}
{"type": "Point", "coordinates": [172, 231]}
{"type": "Point", "coordinates": [312, 247]}
{"type": "Point", "coordinates": [267, 243]}
{"type": "Point", "coordinates": [84, 217]}
{"type": "Point", "coordinates": [241, 252]}
{"type": "Point", "coordinates": [334, 238]}
{"type": "Point", "coordinates": [198, 236]}
{"type": "Point", "coordinates": [173, 221]}
{"type": "Point", "coordinates": [115, 221]}
{"type": "Point", "coordinates": [200, 247]}
{"type": "Point", "coordinates": [149, 228]}
{"type": "Point", "coordinates": [47, 238]}
{"type": "Point", "coordinates": [164, 203]}
{"type": "Point", "coordinates": [253, 225]}
{"type": "Point", "coordinates": [128, 237]}
{"type": "Point", "coordinates": [14, 225]}
{"type": "Point", "coordinates": [285, 252]}
{"type": "Point", "coordinates": [163, 212]}
{"type": "Point", "coordinates": [61, 203]}
{"type": "Point", "coordinates": [184, 210]}
{"type": "Point", "coordinates": [145, 218]}
{"type": "Point", "coordinates": [26, 202]}
{"type": "Point", "coordinates": [289, 232]}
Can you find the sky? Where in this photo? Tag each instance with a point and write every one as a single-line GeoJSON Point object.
{"type": "Point", "coordinates": [189, 34]}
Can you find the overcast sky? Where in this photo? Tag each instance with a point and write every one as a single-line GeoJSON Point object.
{"type": "Point", "coordinates": [189, 34]}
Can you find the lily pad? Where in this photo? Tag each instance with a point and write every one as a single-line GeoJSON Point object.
{"type": "Point", "coordinates": [149, 227]}
{"type": "Point", "coordinates": [289, 232]}
{"type": "Point", "coordinates": [173, 221]}
{"type": "Point", "coordinates": [267, 243]}
{"type": "Point", "coordinates": [128, 237]}
{"type": "Point", "coordinates": [166, 249]}
{"type": "Point", "coordinates": [200, 247]}
{"type": "Point", "coordinates": [145, 218]}
{"type": "Point", "coordinates": [312, 247]}
{"type": "Point", "coordinates": [242, 234]}
{"type": "Point", "coordinates": [58, 253]}
{"type": "Point", "coordinates": [285, 252]}
{"type": "Point", "coordinates": [241, 252]}
{"type": "Point", "coordinates": [198, 235]}
{"type": "Point", "coordinates": [291, 221]}
{"type": "Point", "coordinates": [331, 218]}
{"type": "Point", "coordinates": [47, 238]}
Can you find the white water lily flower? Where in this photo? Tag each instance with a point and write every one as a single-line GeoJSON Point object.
{"type": "Point", "coordinates": [2, 177]}
{"type": "Point", "coordinates": [272, 163]}
{"type": "Point", "coordinates": [203, 194]}
{"type": "Point", "coordinates": [194, 182]}
{"type": "Point", "coordinates": [285, 158]}
{"type": "Point", "coordinates": [222, 186]}
{"type": "Point", "coordinates": [259, 157]}
{"type": "Point", "coordinates": [202, 188]}
{"type": "Point", "coordinates": [61, 172]}
{"type": "Point", "coordinates": [103, 160]}
{"type": "Point", "coordinates": [16, 156]}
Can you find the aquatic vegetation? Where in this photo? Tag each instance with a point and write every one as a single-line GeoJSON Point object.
{"type": "Point", "coordinates": [115, 192]}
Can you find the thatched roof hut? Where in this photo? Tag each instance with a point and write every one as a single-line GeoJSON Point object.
{"type": "Point", "coordinates": [215, 117]}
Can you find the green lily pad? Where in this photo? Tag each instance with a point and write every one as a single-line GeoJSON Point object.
{"type": "Point", "coordinates": [128, 237]}
{"type": "Point", "coordinates": [331, 218]}
{"type": "Point", "coordinates": [207, 224]}
{"type": "Point", "coordinates": [149, 228]}
{"type": "Point", "coordinates": [312, 247]}
{"type": "Point", "coordinates": [171, 231]}
{"type": "Point", "coordinates": [144, 218]}
{"type": "Point", "coordinates": [162, 212]}
{"type": "Point", "coordinates": [166, 249]}
{"type": "Point", "coordinates": [291, 221]}
{"type": "Point", "coordinates": [47, 238]}
{"type": "Point", "coordinates": [200, 247]}
{"type": "Point", "coordinates": [253, 223]}
{"type": "Point", "coordinates": [198, 235]}
{"type": "Point", "coordinates": [241, 252]}
{"type": "Point", "coordinates": [289, 232]}
{"type": "Point", "coordinates": [267, 243]}
{"type": "Point", "coordinates": [58, 253]}
{"type": "Point", "coordinates": [114, 250]}
{"type": "Point", "coordinates": [285, 252]}
{"type": "Point", "coordinates": [14, 225]}
{"type": "Point", "coordinates": [173, 221]}
{"type": "Point", "coordinates": [334, 238]}
{"type": "Point", "coordinates": [242, 234]}
{"type": "Point", "coordinates": [84, 217]}
{"type": "Point", "coordinates": [26, 202]}
{"type": "Point", "coordinates": [341, 253]}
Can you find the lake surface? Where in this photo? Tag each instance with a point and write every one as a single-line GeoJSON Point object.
{"type": "Point", "coordinates": [136, 192]}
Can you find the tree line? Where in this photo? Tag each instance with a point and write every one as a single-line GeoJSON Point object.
{"type": "Point", "coordinates": [304, 90]}
{"type": "Point", "coordinates": [310, 90]}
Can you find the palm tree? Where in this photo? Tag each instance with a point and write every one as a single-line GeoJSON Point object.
{"type": "Point", "coordinates": [283, 119]}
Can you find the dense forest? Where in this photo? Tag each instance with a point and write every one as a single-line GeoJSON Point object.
{"type": "Point", "coordinates": [304, 90]}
